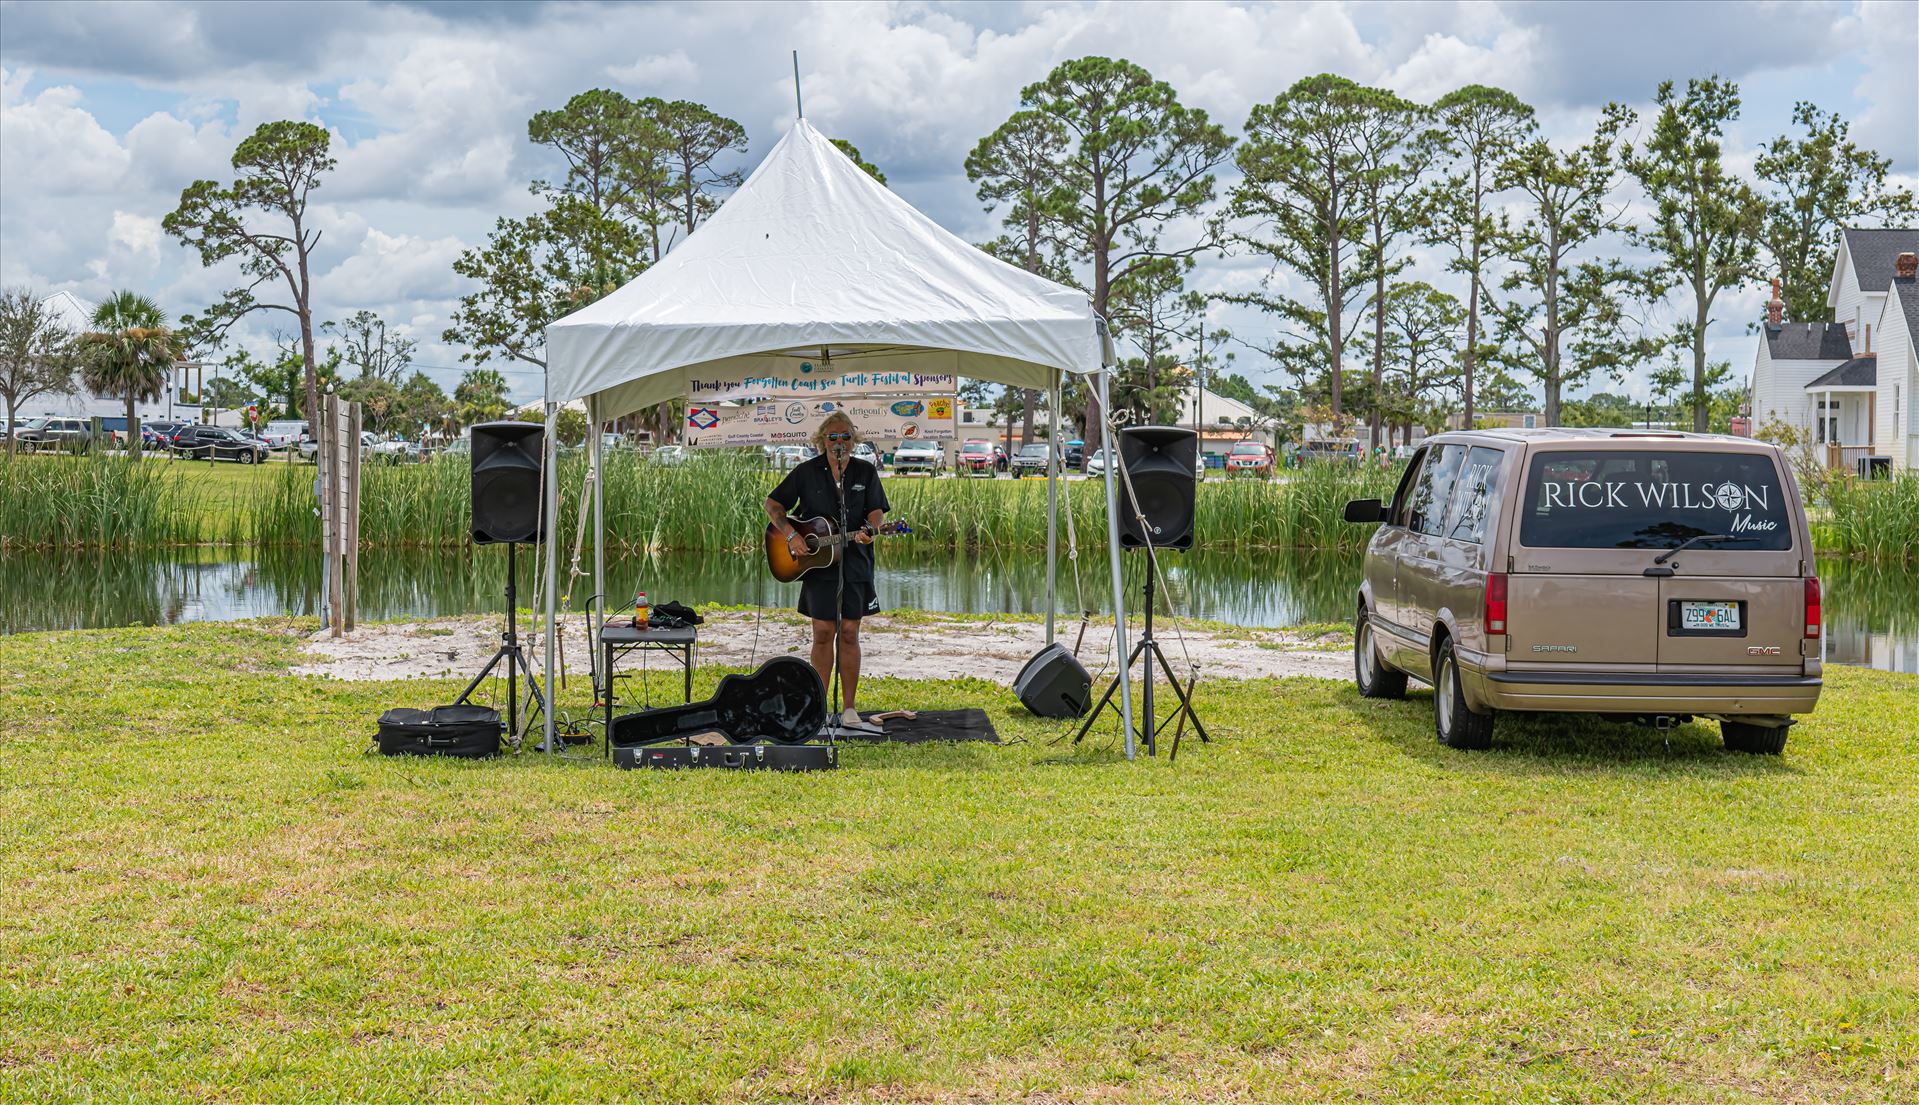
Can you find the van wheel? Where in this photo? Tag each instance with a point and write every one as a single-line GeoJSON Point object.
{"type": "Point", "coordinates": [1760, 740]}
{"type": "Point", "coordinates": [1370, 674]}
{"type": "Point", "coordinates": [1457, 725]}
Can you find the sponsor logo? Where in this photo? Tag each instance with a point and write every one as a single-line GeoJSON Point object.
{"type": "Point", "coordinates": [909, 408]}
{"type": "Point", "coordinates": [795, 413]}
{"type": "Point", "coordinates": [702, 418]}
{"type": "Point", "coordinates": [939, 408]}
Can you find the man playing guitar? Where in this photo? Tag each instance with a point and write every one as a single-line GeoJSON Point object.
{"type": "Point", "coordinates": [814, 487]}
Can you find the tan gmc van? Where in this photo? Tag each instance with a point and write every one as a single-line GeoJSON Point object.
{"type": "Point", "coordinates": [1649, 576]}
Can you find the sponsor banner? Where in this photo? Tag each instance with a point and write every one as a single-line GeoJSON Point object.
{"type": "Point", "coordinates": [882, 420]}
{"type": "Point", "coordinates": [791, 379]}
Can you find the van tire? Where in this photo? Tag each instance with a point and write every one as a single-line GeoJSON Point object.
{"type": "Point", "coordinates": [1758, 740]}
{"type": "Point", "coordinates": [1374, 679]}
{"type": "Point", "coordinates": [1453, 720]}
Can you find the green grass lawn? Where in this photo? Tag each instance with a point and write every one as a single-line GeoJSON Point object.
{"type": "Point", "coordinates": [207, 892]}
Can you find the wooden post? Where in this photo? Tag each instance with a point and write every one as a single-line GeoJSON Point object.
{"type": "Point", "coordinates": [351, 544]}
{"type": "Point", "coordinates": [335, 520]}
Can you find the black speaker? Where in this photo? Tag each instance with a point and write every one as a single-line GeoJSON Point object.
{"type": "Point", "coordinates": [1054, 683]}
{"type": "Point", "coordinates": [506, 482]}
{"type": "Point", "coordinates": [1162, 463]}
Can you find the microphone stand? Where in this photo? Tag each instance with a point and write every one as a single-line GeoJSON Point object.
{"type": "Point", "coordinates": [839, 592]}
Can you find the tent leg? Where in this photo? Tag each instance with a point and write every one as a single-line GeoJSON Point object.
{"type": "Point", "coordinates": [1052, 507]}
{"type": "Point", "coordinates": [596, 606]}
{"type": "Point", "coordinates": [552, 511]}
{"type": "Point", "coordinates": [1112, 556]}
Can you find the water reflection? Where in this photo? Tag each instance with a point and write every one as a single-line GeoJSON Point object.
{"type": "Point", "coordinates": [1872, 610]}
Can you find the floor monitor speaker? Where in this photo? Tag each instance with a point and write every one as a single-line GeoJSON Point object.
{"type": "Point", "coordinates": [1054, 683]}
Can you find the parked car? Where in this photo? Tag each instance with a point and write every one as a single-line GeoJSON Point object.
{"type": "Point", "coordinates": [310, 448]}
{"type": "Point", "coordinates": [395, 450]}
{"type": "Point", "coordinates": [865, 451]}
{"type": "Point", "coordinates": [792, 456]}
{"type": "Point", "coordinates": [159, 435]}
{"type": "Point", "coordinates": [671, 456]}
{"type": "Point", "coordinates": [1076, 454]}
{"type": "Point", "coordinates": [1096, 463]}
{"type": "Point", "coordinates": [977, 458]}
{"type": "Point", "coordinates": [924, 457]}
{"type": "Point", "coordinates": [69, 434]}
{"type": "Point", "coordinates": [1030, 459]}
{"type": "Point", "coordinates": [461, 446]}
{"type": "Point", "coordinates": [1347, 451]}
{"type": "Point", "coordinates": [218, 443]}
{"type": "Point", "coordinates": [1653, 576]}
{"type": "Point", "coordinates": [1249, 458]}
{"type": "Point", "coordinates": [286, 433]}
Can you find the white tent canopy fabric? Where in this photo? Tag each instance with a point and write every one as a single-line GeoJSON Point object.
{"type": "Point", "coordinates": [811, 252]}
{"type": "Point", "coordinates": [813, 257]}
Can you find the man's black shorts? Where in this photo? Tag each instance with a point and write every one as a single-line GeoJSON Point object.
{"type": "Point", "coordinates": [817, 591]}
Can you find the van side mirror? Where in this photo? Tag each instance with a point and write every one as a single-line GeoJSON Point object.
{"type": "Point", "coordinates": [1365, 510]}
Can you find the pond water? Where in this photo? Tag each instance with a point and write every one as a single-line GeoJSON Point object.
{"type": "Point", "coordinates": [1872, 610]}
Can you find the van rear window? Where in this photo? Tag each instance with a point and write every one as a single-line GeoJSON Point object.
{"type": "Point", "coordinates": [1653, 500]}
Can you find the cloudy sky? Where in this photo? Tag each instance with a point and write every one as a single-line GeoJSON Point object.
{"type": "Point", "coordinates": [108, 109]}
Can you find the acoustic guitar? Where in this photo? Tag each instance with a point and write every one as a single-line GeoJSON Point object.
{"type": "Point", "coordinates": [823, 542]}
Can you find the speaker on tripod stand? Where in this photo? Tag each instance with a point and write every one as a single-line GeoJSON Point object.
{"type": "Point", "coordinates": [1158, 493]}
{"type": "Point", "coordinates": [506, 458]}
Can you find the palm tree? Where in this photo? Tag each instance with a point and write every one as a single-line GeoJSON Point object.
{"type": "Point", "coordinates": [130, 352]}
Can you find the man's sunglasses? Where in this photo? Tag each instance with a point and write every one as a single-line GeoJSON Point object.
{"type": "Point", "coordinates": [839, 437]}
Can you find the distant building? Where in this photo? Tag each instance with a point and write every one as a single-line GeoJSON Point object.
{"type": "Point", "coordinates": [1848, 384]}
{"type": "Point", "coordinates": [76, 316]}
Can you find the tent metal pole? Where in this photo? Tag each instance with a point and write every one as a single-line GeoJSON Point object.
{"type": "Point", "coordinates": [1112, 556]}
{"type": "Point", "coordinates": [596, 606]}
{"type": "Point", "coordinates": [1052, 506]}
{"type": "Point", "coordinates": [552, 525]}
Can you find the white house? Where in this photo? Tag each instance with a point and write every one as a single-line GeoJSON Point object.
{"type": "Point", "coordinates": [1829, 379]}
{"type": "Point", "coordinates": [1896, 337]}
{"type": "Point", "coordinates": [76, 316]}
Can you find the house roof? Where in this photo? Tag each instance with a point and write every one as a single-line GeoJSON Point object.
{"type": "Point", "coordinates": [75, 314]}
{"type": "Point", "coordinates": [1808, 341]}
{"type": "Point", "coordinates": [1859, 372]}
{"type": "Point", "coordinates": [1873, 251]}
{"type": "Point", "coordinates": [1908, 293]}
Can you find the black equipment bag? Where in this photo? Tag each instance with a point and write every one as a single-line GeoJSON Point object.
{"type": "Point", "coordinates": [784, 701]}
{"type": "Point", "coordinates": [1054, 683]}
{"type": "Point", "coordinates": [471, 732]}
{"type": "Point", "coordinates": [740, 757]}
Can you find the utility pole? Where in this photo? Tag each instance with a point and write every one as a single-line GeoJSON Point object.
{"type": "Point", "coordinates": [1199, 398]}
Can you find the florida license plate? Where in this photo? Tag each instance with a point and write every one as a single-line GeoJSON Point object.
{"type": "Point", "coordinates": [1710, 616]}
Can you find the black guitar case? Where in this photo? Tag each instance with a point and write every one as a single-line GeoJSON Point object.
{"type": "Point", "coordinates": [783, 702]}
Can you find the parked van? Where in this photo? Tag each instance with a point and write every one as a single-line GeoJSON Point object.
{"type": "Point", "coordinates": [1650, 576]}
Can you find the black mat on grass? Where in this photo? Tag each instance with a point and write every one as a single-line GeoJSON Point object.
{"type": "Point", "coordinates": [931, 725]}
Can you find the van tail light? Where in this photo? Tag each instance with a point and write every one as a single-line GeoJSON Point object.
{"type": "Point", "coordinates": [1812, 607]}
{"type": "Point", "coordinates": [1496, 603]}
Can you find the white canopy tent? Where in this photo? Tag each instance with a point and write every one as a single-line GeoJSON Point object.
{"type": "Point", "coordinates": [813, 257]}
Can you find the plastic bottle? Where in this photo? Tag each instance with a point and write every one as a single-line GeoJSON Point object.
{"type": "Point", "coordinates": [640, 611]}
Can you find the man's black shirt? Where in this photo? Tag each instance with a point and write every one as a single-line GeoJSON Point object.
{"type": "Point", "coordinates": [808, 492]}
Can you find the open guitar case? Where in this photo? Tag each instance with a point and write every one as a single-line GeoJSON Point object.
{"type": "Point", "coordinates": [767, 718]}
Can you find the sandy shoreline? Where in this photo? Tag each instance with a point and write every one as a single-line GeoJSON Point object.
{"type": "Point", "coordinates": [917, 647]}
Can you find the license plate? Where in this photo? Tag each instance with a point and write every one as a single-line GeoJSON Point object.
{"type": "Point", "coordinates": [1709, 615]}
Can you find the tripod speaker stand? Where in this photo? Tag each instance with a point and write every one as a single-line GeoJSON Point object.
{"type": "Point", "coordinates": [1148, 650]}
{"type": "Point", "coordinates": [1157, 466]}
{"type": "Point", "coordinates": [517, 666]}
